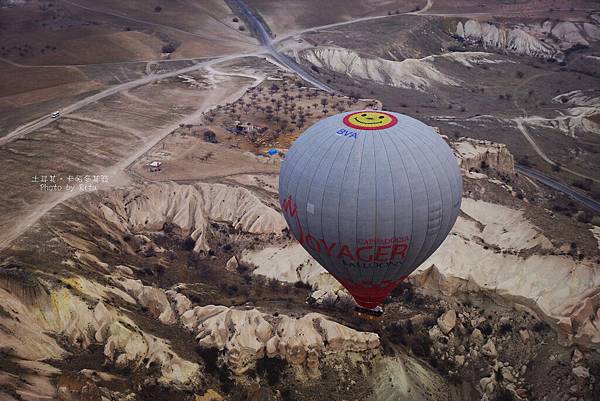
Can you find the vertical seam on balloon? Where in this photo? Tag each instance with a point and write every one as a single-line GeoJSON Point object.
{"type": "Point", "coordinates": [333, 142]}
{"type": "Point", "coordinates": [375, 179]}
{"type": "Point", "coordinates": [298, 158]}
{"type": "Point", "coordinates": [412, 212]}
{"type": "Point", "coordinates": [421, 150]}
{"type": "Point", "coordinates": [362, 149]}
{"type": "Point", "coordinates": [417, 258]}
{"type": "Point", "coordinates": [426, 195]}
{"type": "Point", "coordinates": [393, 197]}
{"type": "Point", "coordinates": [323, 199]}
{"type": "Point", "coordinates": [340, 191]}
{"type": "Point", "coordinates": [446, 229]}
{"type": "Point", "coordinates": [318, 139]}
{"type": "Point", "coordinates": [310, 161]}
{"type": "Point", "coordinates": [322, 139]}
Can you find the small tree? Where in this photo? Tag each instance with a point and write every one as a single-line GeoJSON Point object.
{"type": "Point", "coordinates": [169, 48]}
{"type": "Point", "coordinates": [210, 136]}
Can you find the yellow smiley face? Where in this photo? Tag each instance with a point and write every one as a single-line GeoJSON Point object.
{"type": "Point", "coordinates": [370, 119]}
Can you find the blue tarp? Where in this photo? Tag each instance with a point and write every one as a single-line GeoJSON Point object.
{"type": "Point", "coordinates": [272, 152]}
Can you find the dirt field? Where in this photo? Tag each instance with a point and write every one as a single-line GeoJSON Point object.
{"type": "Point", "coordinates": [277, 111]}
{"type": "Point", "coordinates": [518, 8]}
{"type": "Point", "coordinates": [82, 47]}
{"type": "Point", "coordinates": [99, 140]}
{"type": "Point", "coordinates": [58, 33]}
{"type": "Point", "coordinates": [289, 15]}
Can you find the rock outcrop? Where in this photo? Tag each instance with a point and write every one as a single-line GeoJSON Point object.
{"type": "Point", "coordinates": [34, 326]}
{"type": "Point", "coordinates": [514, 40]}
{"type": "Point", "coordinates": [491, 249]}
{"type": "Point", "coordinates": [548, 41]}
{"type": "Point", "coordinates": [418, 74]}
{"type": "Point", "coordinates": [248, 335]}
{"type": "Point", "coordinates": [289, 263]}
{"type": "Point", "coordinates": [191, 208]}
{"type": "Point", "coordinates": [583, 113]}
{"type": "Point", "coordinates": [479, 155]}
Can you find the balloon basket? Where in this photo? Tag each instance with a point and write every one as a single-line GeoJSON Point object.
{"type": "Point", "coordinates": [368, 314]}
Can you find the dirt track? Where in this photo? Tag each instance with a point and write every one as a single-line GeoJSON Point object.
{"type": "Point", "coordinates": [226, 92]}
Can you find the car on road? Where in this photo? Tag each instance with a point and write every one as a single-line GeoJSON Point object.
{"type": "Point", "coordinates": [56, 114]}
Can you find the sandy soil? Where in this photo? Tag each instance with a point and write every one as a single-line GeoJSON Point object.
{"type": "Point", "coordinates": [109, 35]}
{"type": "Point", "coordinates": [521, 8]}
{"type": "Point", "coordinates": [85, 146]}
{"type": "Point", "coordinates": [284, 17]}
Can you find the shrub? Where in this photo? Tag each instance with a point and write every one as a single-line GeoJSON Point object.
{"type": "Point", "coordinates": [487, 329]}
{"type": "Point", "coordinates": [524, 161]}
{"type": "Point", "coordinates": [157, 9]}
{"type": "Point", "coordinates": [271, 368]}
{"type": "Point", "coordinates": [188, 244]}
{"type": "Point", "coordinates": [210, 136]}
{"type": "Point", "coordinates": [583, 217]}
{"type": "Point", "coordinates": [273, 284]}
{"type": "Point", "coordinates": [287, 395]}
{"type": "Point", "coordinates": [169, 48]}
{"type": "Point", "coordinates": [505, 328]}
{"type": "Point", "coordinates": [585, 184]}
{"type": "Point", "coordinates": [504, 395]}
{"type": "Point", "coordinates": [210, 357]}
{"type": "Point", "coordinates": [346, 303]}
{"type": "Point", "coordinates": [539, 326]}
{"type": "Point", "coordinates": [303, 285]}
{"type": "Point", "coordinates": [328, 301]}
{"type": "Point", "coordinates": [420, 344]}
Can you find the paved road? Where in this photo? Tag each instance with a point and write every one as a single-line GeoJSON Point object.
{"type": "Point", "coordinates": [265, 39]}
{"type": "Point", "coordinates": [558, 186]}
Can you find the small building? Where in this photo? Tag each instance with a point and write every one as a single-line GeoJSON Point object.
{"type": "Point", "coordinates": [155, 166]}
{"type": "Point", "coordinates": [244, 127]}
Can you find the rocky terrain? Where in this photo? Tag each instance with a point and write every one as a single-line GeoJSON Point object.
{"type": "Point", "coordinates": [548, 40]}
{"type": "Point", "coordinates": [130, 283]}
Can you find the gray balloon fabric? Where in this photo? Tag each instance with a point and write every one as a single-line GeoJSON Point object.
{"type": "Point", "coordinates": [370, 195]}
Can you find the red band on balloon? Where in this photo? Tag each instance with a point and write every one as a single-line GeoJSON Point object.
{"type": "Point", "coordinates": [370, 296]}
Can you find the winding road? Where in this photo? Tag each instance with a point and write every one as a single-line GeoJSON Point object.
{"type": "Point", "coordinates": [558, 186]}
{"type": "Point", "coordinates": [265, 39]}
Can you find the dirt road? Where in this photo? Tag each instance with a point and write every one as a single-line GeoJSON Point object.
{"type": "Point", "coordinates": [224, 93]}
{"type": "Point", "coordinates": [42, 122]}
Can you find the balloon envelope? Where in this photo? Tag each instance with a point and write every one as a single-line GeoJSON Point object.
{"type": "Point", "coordinates": [370, 195]}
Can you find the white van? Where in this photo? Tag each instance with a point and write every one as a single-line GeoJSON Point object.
{"type": "Point", "coordinates": [56, 114]}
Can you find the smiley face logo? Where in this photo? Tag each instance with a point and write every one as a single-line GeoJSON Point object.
{"type": "Point", "coordinates": [370, 119]}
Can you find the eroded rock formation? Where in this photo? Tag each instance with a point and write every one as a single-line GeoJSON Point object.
{"type": "Point", "coordinates": [548, 41]}
{"type": "Point", "coordinates": [191, 208]}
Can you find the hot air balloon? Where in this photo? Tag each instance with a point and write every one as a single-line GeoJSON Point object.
{"type": "Point", "coordinates": [370, 195]}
